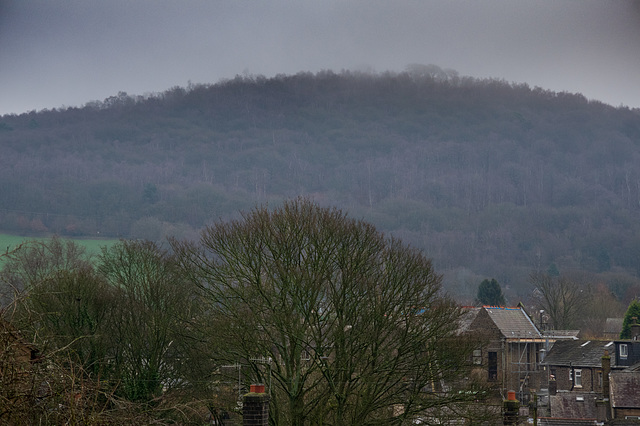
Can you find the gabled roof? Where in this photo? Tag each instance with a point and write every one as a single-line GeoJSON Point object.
{"type": "Point", "coordinates": [513, 323]}
{"type": "Point", "coordinates": [625, 389]}
{"type": "Point", "coordinates": [561, 334]}
{"type": "Point", "coordinates": [468, 315]}
{"type": "Point", "coordinates": [575, 406]}
{"type": "Point", "coordinates": [580, 353]}
{"type": "Point", "coordinates": [613, 326]}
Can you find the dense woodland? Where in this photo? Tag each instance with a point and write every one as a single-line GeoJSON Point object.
{"type": "Point", "coordinates": [490, 179]}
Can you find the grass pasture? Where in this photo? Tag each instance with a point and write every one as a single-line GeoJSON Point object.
{"type": "Point", "coordinates": [93, 246]}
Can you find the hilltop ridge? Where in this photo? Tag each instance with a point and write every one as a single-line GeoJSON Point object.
{"type": "Point", "coordinates": [488, 178]}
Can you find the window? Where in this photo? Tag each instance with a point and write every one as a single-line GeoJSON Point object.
{"type": "Point", "coordinates": [600, 379]}
{"type": "Point", "coordinates": [577, 378]}
{"type": "Point", "coordinates": [624, 351]}
{"type": "Point", "coordinates": [493, 365]}
{"type": "Point", "coordinates": [477, 357]}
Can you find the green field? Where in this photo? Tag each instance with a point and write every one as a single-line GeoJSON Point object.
{"type": "Point", "coordinates": [9, 242]}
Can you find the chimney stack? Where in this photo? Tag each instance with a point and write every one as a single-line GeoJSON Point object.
{"type": "Point", "coordinates": [604, 406]}
{"type": "Point", "coordinates": [635, 328]}
{"type": "Point", "coordinates": [606, 369]}
{"type": "Point", "coordinates": [255, 407]}
{"type": "Point", "coordinates": [510, 409]}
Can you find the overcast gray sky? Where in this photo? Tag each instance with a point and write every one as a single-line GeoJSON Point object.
{"type": "Point", "coordinates": [68, 52]}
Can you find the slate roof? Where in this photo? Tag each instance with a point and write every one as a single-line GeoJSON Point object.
{"type": "Point", "coordinates": [469, 314]}
{"type": "Point", "coordinates": [580, 353]}
{"type": "Point", "coordinates": [613, 326]}
{"type": "Point", "coordinates": [513, 323]}
{"type": "Point", "coordinates": [574, 405]}
{"type": "Point", "coordinates": [625, 389]}
{"type": "Point", "coordinates": [561, 334]}
{"type": "Point", "coordinates": [548, 421]}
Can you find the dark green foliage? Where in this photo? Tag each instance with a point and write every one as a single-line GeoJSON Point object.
{"type": "Point", "coordinates": [633, 311]}
{"type": "Point", "coordinates": [490, 293]}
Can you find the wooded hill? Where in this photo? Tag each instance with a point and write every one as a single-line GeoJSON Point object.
{"type": "Point", "coordinates": [491, 179]}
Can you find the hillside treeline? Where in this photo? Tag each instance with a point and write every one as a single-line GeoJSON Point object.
{"type": "Point", "coordinates": [489, 178]}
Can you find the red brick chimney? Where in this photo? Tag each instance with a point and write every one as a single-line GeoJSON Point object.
{"type": "Point", "coordinates": [510, 409]}
{"type": "Point", "coordinates": [255, 407]}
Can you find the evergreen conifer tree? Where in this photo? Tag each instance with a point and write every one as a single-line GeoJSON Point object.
{"type": "Point", "coordinates": [490, 293]}
{"type": "Point", "coordinates": [633, 311]}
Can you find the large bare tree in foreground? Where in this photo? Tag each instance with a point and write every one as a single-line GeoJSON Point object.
{"type": "Point", "coordinates": [344, 325]}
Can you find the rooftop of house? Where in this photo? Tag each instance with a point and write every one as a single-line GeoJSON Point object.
{"type": "Point", "coordinates": [574, 406]}
{"type": "Point", "coordinates": [469, 314]}
{"type": "Point", "coordinates": [634, 367]}
{"type": "Point", "coordinates": [580, 353]}
{"type": "Point", "coordinates": [561, 334]}
{"type": "Point", "coordinates": [625, 389]}
{"type": "Point", "coordinates": [613, 326]}
{"type": "Point", "coordinates": [546, 421]}
{"type": "Point", "coordinates": [513, 322]}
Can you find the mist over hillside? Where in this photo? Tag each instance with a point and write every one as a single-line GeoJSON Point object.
{"type": "Point", "coordinates": [490, 179]}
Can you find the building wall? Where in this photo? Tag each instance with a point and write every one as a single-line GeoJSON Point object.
{"type": "Point", "coordinates": [513, 371]}
{"type": "Point", "coordinates": [591, 379]}
{"type": "Point", "coordinates": [517, 360]}
{"type": "Point", "coordinates": [633, 353]}
{"type": "Point", "coordinates": [523, 370]}
{"type": "Point", "coordinates": [621, 413]}
{"type": "Point", "coordinates": [491, 338]}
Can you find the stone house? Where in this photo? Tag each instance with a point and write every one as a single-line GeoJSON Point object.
{"type": "Point", "coordinates": [594, 380]}
{"type": "Point", "coordinates": [576, 376]}
{"type": "Point", "coordinates": [625, 394]}
{"type": "Point", "coordinates": [577, 365]}
{"type": "Point", "coordinates": [624, 382]}
{"type": "Point", "coordinates": [511, 349]}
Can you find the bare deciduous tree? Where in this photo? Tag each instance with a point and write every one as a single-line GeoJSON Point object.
{"type": "Point", "coordinates": [560, 297]}
{"type": "Point", "coordinates": [353, 326]}
{"type": "Point", "coordinates": [34, 261]}
{"type": "Point", "coordinates": [151, 304]}
{"type": "Point", "coordinates": [114, 341]}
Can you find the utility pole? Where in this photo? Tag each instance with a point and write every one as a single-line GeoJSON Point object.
{"type": "Point", "coordinates": [533, 409]}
